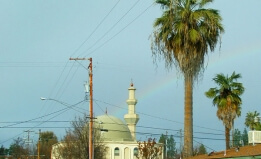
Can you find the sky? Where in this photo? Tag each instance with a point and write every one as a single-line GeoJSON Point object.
{"type": "Point", "coordinates": [38, 38]}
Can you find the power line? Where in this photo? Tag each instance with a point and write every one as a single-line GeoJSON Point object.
{"type": "Point", "coordinates": [161, 118]}
{"type": "Point", "coordinates": [76, 52]}
{"type": "Point", "coordinates": [117, 32]}
{"type": "Point", "coordinates": [140, 126]}
{"type": "Point", "coordinates": [204, 145]}
{"type": "Point", "coordinates": [111, 28]}
{"type": "Point", "coordinates": [105, 17]}
{"type": "Point", "coordinates": [6, 122]}
{"type": "Point", "coordinates": [60, 112]}
{"type": "Point", "coordinates": [65, 109]}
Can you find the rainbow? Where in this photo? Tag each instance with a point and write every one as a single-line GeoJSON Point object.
{"type": "Point", "coordinates": [233, 54]}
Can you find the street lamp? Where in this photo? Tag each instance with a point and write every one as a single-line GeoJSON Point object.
{"type": "Point", "coordinates": [69, 106]}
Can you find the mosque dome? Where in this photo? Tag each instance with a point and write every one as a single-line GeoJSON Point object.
{"type": "Point", "coordinates": [117, 129]}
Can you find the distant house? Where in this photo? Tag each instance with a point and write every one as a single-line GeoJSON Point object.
{"type": "Point", "coordinates": [245, 152]}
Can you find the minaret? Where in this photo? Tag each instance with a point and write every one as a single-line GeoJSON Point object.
{"type": "Point", "coordinates": [132, 118]}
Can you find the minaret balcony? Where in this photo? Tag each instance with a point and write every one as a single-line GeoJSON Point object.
{"type": "Point", "coordinates": [131, 118]}
{"type": "Point", "coordinates": [132, 101]}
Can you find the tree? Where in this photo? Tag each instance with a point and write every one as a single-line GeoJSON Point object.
{"type": "Point", "coordinates": [237, 138]}
{"type": "Point", "coordinates": [47, 139]}
{"type": "Point", "coordinates": [199, 150]}
{"type": "Point", "coordinates": [182, 36]}
{"type": "Point", "coordinates": [17, 148]}
{"type": "Point", "coordinates": [169, 143]}
{"type": "Point", "coordinates": [163, 139]}
{"type": "Point", "coordinates": [3, 152]}
{"type": "Point", "coordinates": [245, 137]}
{"type": "Point", "coordinates": [171, 147]}
{"type": "Point", "coordinates": [250, 120]}
{"type": "Point", "coordinates": [75, 143]}
{"type": "Point", "coordinates": [149, 150]}
{"type": "Point", "coordinates": [227, 99]}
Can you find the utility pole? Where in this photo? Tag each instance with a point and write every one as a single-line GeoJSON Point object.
{"type": "Point", "coordinates": [38, 145]}
{"type": "Point", "coordinates": [166, 145]}
{"type": "Point", "coordinates": [91, 154]}
{"type": "Point", "coordinates": [28, 141]}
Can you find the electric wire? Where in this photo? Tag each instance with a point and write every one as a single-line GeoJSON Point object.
{"type": "Point", "coordinates": [117, 130]}
{"type": "Point", "coordinates": [77, 49]}
{"type": "Point", "coordinates": [91, 52]}
{"type": "Point", "coordinates": [59, 111]}
{"type": "Point", "coordinates": [111, 28]}
{"type": "Point", "coordinates": [205, 138]}
{"type": "Point", "coordinates": [70, 107]}
{"type": "Point", "coordinates": [96, 28]}
{"type": "Point", "coordinates": [43, 115]}
{"type": "Point", "coordinates": [204, 145]}
{"type": "Point", "coordinates": [139, 126]}
{"type": "Point", "coordinates": [153, 116]}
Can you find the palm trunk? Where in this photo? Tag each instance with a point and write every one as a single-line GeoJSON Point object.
{"type": "Point", "coordinates": [233, 142]}
{"type": "Point", "coordinates": [227, 131]}
{"type": "Point", "coordinates": [188, 117]}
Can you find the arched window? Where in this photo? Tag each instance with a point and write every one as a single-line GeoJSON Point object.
{"type": "Point", "coordinates": [116, 151]}
{"type": "Point", "coordinates": [135, 152]}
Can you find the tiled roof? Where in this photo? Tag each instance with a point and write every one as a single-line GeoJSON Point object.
{"type": "Point", "coordinates": [244, 151]}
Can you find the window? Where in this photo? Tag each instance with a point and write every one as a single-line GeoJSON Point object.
{"type": "Point", "coordinates": [116, 151]}
{"type": "Point", "coordinates": [135, 151]}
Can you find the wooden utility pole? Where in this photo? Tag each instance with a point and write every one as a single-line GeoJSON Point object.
{"type": "Point", "coordinates": [91, 155]}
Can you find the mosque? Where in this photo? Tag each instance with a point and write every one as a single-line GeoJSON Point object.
{"type": "Point", "coordinates": [120, 139]}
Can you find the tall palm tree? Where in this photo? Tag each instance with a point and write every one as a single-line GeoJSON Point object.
{"type": "Point", "coordinates": [250, 120]}
{"type": "Point", "coordinates": [227, 99]}
{"type": "Point", "coordinates": [182, 36]}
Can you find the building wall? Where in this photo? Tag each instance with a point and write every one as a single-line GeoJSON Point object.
{"type": "Point", "coordinates": [122, 150]}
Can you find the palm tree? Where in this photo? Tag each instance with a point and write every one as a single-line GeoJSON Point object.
{"type": "Point", "coordinates": [182, 36]}
{"type": "Point", "coordinates": [227, 99]}
{"type": "Point", "coordinates": [250, 120]}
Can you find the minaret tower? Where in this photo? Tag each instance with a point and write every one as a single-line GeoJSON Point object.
{"type": "Point", "coordinates": [132, 118]}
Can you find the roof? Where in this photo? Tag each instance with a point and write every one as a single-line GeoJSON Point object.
{"type": "Point", "coordinates": [245, 151]}
{"type": "Point", "coordinates": [117, 129]}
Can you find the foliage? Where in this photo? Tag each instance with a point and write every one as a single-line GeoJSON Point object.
{"type": "Point", "coordinates": [185, 33]}
{"type": "Point", "coordinates": [3, 152]}
{"type": "Point", "coordinates": [76, 141]}
{"type": "Point", "coordinates": [237, 138]}
{"type": "Point", "coordinates": [17, 148]}
{"type": "Point", "coordinates": [169, 146]}
{"type": "Point", "coordinates": [199, 150]}
{"type": "Point", "coordinates": [149, 150]}
{"type": "Point", "coordinates": [182, 36]}
{"type": "Point", "coordinates": [250, 120]}
{"type": "Point", "coordinates": [227, 99]}
{"type": "Point", "coordinates": [240, 139]}
{"type": "Point", "coordinates": [47, 139]}
{"type": "Point", "coordinates": [245, 137]}
{"type": "Point", "coordinates": [162, 140]}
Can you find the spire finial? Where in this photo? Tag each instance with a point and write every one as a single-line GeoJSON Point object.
{"type": "Point", "coordinates": [131, 83]}
{"type": "Point", "coordinates": [106, 112]}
